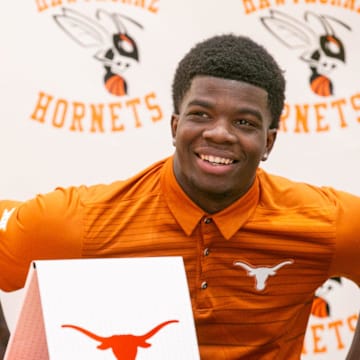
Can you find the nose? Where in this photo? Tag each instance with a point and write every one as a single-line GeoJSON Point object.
{"type": "Point", "coordinates": [220, 131]}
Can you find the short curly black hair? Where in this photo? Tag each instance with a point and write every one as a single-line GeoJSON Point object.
{"type": "Point", "coordinates": [232, 57]}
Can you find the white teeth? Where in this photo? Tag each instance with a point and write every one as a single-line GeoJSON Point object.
{"type": "Point", "coordinates": [216, 159]}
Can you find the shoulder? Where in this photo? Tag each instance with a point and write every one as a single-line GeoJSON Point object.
{"type": "Point", "coordinates": [144, 183]}
{"type": "Point", "coordinates": [278, 191]}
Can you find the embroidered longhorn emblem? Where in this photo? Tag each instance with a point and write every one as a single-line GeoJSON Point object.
{"type": "Point", "coordinates": [261, 273]}
{"type": "Point", "coordinates": [5, 218]}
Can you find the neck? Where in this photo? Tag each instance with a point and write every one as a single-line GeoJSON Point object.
{"type": "Point", "coordinates": [213, 203]}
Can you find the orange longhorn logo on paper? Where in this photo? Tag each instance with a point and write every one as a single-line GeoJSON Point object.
{"type": "Point", "coordinates": [322, 50]}
{"type": "Point", "coordinates": [124, 347]}
{"type": "Point", "coordinates": [115, 47]}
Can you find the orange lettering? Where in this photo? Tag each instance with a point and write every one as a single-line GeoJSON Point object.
{"type": "Point", "coordinates": [301, 118]}
{"type": "Point", "coordinates": [249, 6]}
{"type": "Point", "coordinates": [317, 338]}
{"type": "Point", "coordinates": [114, 117]}
{"type": "Point", "coordinates": [335, 325]}
{"type": "Point", "coordinates": [97, 117]}
{"type": "Point", "coordinates": [320, 117]}
{"type": "Point", "coordinates": [155, 107]}
{"type": "Point", "coordinates": [355, 105]}
{"type": "Point", "coordinates": [284, 116]}
{"type": "Point", "coordinates": [41, 5]}
{"type": "Point", "coordinates": [140, 3]}
{"type": "Point", "coordinates": [338, 105]}
{"type": "Point", "coordinates": [94, 117]}
{"type": "Point", "coordinates": [152, 7]}
{"type": "Point", "coordinates": [59, 112]}
{"type": "Point", "coordinates": [41, 107]}
{"type": "Point", "coordinates": [352, 320]}
{"type": "Point", "coordinates": [78, 115]}
{"type": "Point", "coordinates": [264, 4]}
{"type": "Point", "coordinates": [133, 103]}
{"type": "Point", "coordinates": [349, 4]}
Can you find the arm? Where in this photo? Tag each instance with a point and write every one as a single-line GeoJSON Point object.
{"type": "Point", "coordinates": [346, 261]}
{"type": "Point", "coordinates": [4, 333]}
{"type": "Point", "coordinates": [354, 351]}
{"type": "Point", "coordinates": [46, 227]}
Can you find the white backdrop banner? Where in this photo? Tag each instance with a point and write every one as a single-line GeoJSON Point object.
{"type": "Point", "coordinates": [77, 108]}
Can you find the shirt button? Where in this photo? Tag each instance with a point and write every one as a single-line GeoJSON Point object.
{"type": "Point", "coordinates": [206, 252]}
{"type": "Point", "coordinates": [207, 220]}
{"type": "Point", "coordinates": [204, 285]}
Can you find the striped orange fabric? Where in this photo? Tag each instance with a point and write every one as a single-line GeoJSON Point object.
{"type": "Point", "coordinates": [252, 268]}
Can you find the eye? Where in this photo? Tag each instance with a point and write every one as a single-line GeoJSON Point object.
{"type": "Point", "coordinates": [332, 45]}
{"type": "Point", "coordinates": [244, 122]}
{"type": "Point", "coordinates": [125, 43]}
{"type": "Point", "coordinates": [198, 115]}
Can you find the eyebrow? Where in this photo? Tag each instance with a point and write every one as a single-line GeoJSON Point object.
{"type": "Point", "coordinates": [202, 103]}
{"type": "Point", "coordinates": [247, 110]}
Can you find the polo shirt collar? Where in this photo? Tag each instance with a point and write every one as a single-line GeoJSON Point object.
{"type": "Point", "coordinates": [188, 214]}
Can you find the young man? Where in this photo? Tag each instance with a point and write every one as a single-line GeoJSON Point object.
{"type": "Point", "coordinates": [255, 246]}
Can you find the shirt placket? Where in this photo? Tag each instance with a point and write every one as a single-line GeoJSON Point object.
{"type": "Point", "coordinates": [209, 232]}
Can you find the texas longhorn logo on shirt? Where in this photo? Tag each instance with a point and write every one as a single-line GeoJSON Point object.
{"type": "Point", "coordinates": [124, 347]}
{"type": "Point", "coordinates": [261, 273]}
{"type": "Point", "coordinates": [5, 218]}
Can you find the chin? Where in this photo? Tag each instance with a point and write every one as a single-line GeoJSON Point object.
{"type": "Point", "coordinates": [218, 190]}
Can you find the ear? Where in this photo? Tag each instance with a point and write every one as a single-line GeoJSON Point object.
{"type": "Point", "coordinates": [270, 141]}
{"type": "Point", "coordinates": [174, 125]}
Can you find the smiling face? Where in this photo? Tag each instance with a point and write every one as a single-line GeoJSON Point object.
{"type": "Point", "coordinates": [220, 134]}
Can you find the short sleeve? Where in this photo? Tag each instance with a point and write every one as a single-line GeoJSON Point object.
{"type": "Point", "coordinates": [346, 261]}
{"type": "Point", "coordinates": [46, 227]}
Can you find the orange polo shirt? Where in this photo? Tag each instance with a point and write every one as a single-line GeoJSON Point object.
{"type": "Point", "coordinates": [252, 268]}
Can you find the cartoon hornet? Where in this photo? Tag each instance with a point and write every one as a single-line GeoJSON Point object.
{"type": "Point", "coordinates": [321, 305]}
{"type": "Point", "coordinates": [124, 347]}
{"type": "Point", "coordinates": [322, 50]}
{"type": "Point", "coordinates": [116, 49]}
